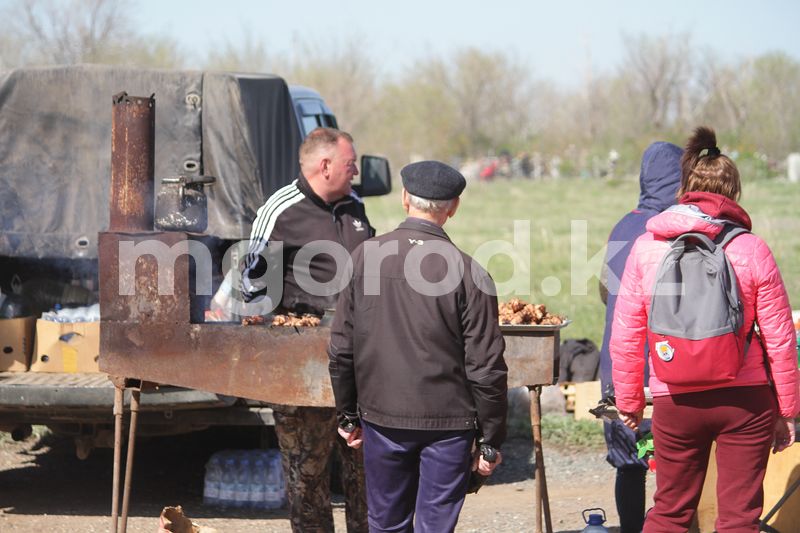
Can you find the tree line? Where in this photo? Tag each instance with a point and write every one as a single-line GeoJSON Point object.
{"type": "Point", "coordinates": [473, 102]}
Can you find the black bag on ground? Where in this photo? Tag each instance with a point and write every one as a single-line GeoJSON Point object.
{"type": "Point", "coordinates": [579, 361]}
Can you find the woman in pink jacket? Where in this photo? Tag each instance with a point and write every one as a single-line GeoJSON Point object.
{"type": "Point", "coordinates": [745, 415]}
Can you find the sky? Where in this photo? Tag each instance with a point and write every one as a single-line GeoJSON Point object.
{"type": "Point", "coordinates": [561, 41]}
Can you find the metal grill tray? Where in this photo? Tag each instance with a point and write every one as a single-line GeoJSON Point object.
{"type": "Point", "coordinates": [511, 328]}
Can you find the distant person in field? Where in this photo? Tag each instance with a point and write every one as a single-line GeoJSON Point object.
{"type": "Point", "coordinates": [745, 415]}
{"type": "Point", "coordinates": [659, 180]}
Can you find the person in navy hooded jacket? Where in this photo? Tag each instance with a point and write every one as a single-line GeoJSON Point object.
{"type": "Point", "coordinates": [659, 180]}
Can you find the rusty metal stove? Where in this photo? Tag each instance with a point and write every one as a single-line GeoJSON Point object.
{"type": "Point", "coordinates": [150, 336]}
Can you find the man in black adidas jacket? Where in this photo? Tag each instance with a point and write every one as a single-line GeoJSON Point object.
{"type": "Point", "coordinates": [319, 206]}
{"type": "Point", "coordinates": [416, 362]}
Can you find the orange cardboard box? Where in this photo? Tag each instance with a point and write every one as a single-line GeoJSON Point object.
{"type": "Point", "coordinates": [66, 347]}
{"type": "Point", "coordinates": [783, 469]}
{"type": "Point", "coordinates": [16, 343]}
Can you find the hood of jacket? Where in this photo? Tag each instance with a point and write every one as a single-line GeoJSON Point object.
{"type": "Point", "coordinates": [700, 212]}
{"type": "Point", "coordinates": [660, 176]}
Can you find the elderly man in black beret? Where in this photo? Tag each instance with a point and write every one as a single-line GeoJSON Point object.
{"type": "Point", "coordinates": [416, 362]}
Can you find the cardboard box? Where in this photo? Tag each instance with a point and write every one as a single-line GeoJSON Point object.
{"type": "Point", "coordinates": [66, 347]}
{"type": "Point", "coordinates": [587, 394]}
{"type": "Point", "coordinates": [16, 343]}
{"type": "Point", "coordinates": [783, 469]}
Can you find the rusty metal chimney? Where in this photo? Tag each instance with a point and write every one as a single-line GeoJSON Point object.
{"type": "Point", "coordinates": [131, 199]}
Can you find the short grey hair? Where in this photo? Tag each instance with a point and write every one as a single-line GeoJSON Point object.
{"type": "Point", "coordinates": [318, 139]}
{"type": "Point", "coordinates": [430, 206]}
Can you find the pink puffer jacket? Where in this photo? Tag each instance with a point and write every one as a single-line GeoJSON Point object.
{"type": "Point", "coordinates": [761, 291]}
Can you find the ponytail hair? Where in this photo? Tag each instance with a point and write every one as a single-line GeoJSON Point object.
{"type": "Point", "coordinates": [705, 169]}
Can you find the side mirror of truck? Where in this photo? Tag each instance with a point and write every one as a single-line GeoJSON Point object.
{"type": "Point", "coordinates": [376, 179]}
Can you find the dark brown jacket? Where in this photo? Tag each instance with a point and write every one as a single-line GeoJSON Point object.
{"type": "Point", "coordinates": [404, 359]}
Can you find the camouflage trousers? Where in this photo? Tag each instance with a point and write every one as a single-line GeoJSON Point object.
{"type": "Point", "coordinates": [307, 436]}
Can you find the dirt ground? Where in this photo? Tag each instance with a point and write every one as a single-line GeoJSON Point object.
{"type": "Point", "coordinates": [44, 487]}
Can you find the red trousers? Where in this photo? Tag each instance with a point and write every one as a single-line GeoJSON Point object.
{"type": "Point", "coordinates": [741, 420]}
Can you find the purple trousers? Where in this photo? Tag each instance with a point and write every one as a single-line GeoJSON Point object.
{"type": "Point", "coordinates": [416, 479]}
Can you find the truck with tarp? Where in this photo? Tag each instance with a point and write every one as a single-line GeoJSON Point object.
{"type": "Point", "coordinates": [223, 143]}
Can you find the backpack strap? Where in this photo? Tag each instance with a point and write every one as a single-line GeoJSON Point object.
{"type": "Point", "coordinates": [748, 341]}
{"type": "Point", "coordinates": [707, 243]}
{"type": "Point", "coordinates": [728, 233]}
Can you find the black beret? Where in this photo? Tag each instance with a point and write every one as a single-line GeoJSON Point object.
{"type": "Point", "coordinates": [432, 180]}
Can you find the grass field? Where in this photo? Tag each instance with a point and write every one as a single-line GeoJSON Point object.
{"type": "Point", "coordinates": [556, 211]}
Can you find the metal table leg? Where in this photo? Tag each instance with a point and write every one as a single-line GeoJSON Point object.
{"type": "Point", "coordinates": [135, 394]}
{"type": "Point", "coordinates": [119, 392]}
{"type": "Point", "coordinates": [540, 494]}
{"type": "Point", "coordinates": [120, 384]}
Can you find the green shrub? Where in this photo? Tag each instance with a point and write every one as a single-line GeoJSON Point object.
{"type": "Point", "coordinates": [565, 431]}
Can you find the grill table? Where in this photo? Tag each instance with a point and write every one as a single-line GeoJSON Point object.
{"type": "Point", "coordinates": [148, 336]}
{"type": "Point", "coordinates": [532, 356]}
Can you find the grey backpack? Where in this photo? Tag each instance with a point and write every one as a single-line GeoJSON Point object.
{"type": "Point", "coordinates": [695, 324]}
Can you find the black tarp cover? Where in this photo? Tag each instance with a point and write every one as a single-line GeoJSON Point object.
{"type": "Point", "coordinates": [55, 149]}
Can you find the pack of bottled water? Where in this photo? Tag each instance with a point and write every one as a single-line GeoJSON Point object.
{"type": "Point", "coordinates": [89, 313]}
{"type": "Point", "coordinates": [245, 478]}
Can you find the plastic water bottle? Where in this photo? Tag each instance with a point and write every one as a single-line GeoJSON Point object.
{"type": "Point", "coordinates": [258, 487]}
{"type": "Point", "coordinates": [227, 486]}
{"type": "Point", "coordinates": [58, 311]}
{"type": "Point", "coordinates": [594, 524]}
{"type": "Point", "coordinates": [275, 491]}
{"type": "Point", "coordinates": [241, 495]}
{"type": "Point", "coordinates": [281, 480]}
{"type": "Point", "coordinates": [211, 487]}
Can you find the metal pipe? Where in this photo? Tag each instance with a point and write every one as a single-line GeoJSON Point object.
{"type": "Point", "coordinates": [132, 163]}
{"type": "Point", "coordinates": [135, 393]}
{"type": "Point", "coordinates": [763, 526]}
{"type": "Point", "coordinates": [118, 403]}
{"type": "Point", "coordinates": [540, 488]}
